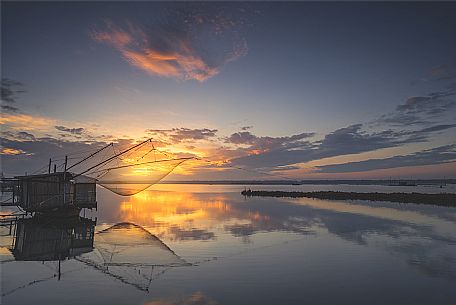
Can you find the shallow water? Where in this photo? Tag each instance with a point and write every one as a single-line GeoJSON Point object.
{"type": "Point", "coordinates": [202, 244]}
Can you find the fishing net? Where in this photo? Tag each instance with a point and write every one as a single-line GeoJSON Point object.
{"type": "Point", "coordinates": [125, 251]}
{"type": "Point", "coordinates": [127, 170]}
{"type": "Point", "coordinates": [132, 179]}
{"type": "Point", "coordinates": [131, 254]}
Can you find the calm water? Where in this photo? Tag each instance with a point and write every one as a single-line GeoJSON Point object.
{"type": "Point", "coordinates": [194, 244]}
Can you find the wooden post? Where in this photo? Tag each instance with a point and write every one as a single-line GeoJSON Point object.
{"type": "Point", "coordinates": [64, 180]}
{"type": "Point", "coordinates": [60, 274]}
{"type": "Point", "coordinates": [49, 168]}
{"type": "Point", "coordinates": [55, 168]}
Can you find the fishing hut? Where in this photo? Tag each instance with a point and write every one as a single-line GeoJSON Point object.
{"type": "Point", "coordinates": [55, 192]}
{"type": "Point", "coordinates": [67, 192]}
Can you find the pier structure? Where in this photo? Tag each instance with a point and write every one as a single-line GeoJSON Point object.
{"type": "Point", "coordinates": [53, 192]}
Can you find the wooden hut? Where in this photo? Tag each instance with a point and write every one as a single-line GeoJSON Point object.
{"type": "Point", "coordinates": [55, 192]}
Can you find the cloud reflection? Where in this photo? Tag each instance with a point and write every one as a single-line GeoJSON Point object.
{"type": "Point", "coordinates": [197, 298]}
{"type": "Point", "coordinates": [192, 216]}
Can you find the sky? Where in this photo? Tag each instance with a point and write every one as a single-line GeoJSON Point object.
{"type": "Point", "coordinates": [258, 90]}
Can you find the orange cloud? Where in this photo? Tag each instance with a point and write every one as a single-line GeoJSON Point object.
{"type": "Point", "coordinates": [11, 151]}
{"type": "Point", "coordinates": [153, 63]}
{"type": "Point", "coordinates": [25, 122]}
{"type": "Point", "coordinates": [183, 63]}
{"type": "Point", "coordinates": [176, 52]}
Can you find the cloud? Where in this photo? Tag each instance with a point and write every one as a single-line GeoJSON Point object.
{"type": "Point", "coordinates": [344, 141]}
{"type": "Point", "coordinates": [35, 152]}
{"type": "Point", "coordinates": [440, 127]}
{"type": "Point", "coordinates": [9, 108]}
{"type": "Point", "coordinates": [443, 72]}
{"type": "Point", "coordinates": [74, 131]}
{"type": "Point", "coordinates": [421, 110]}
{"type": "Point", "coordinates": [414, 121]}
{"type": "Point", "coordinates": [19, 121]}
{"type": "Point", "coordinates": [262, 144]}
{"type": "Point", "coordinates": [11, 151]}
{"type": "Point", "coordinates": [193, 42]}
{"type": "Point", "coordinates": [438, 155]}
{"type": "Point", "coordinates": [22, 135]}
{"type": "Point", "coordinates": [177, 135]}
{"type": "Point", "coordinates": [243, 137]}
{"type": "Point", "coordinates": [9, 92]}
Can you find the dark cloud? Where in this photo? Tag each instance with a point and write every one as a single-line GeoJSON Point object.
{"type": "Point", "coordinates": [38, 151]}
{"type": "Point", "coordinates": [421, 110]}
{"type": "Point", "coordinates": [343, 141]}
{"type": "Point", "coordinates": [244, 137]}
{"type": "Point", "coordinates": [435, 128]}
{"type": "Point", "coordinates": [418, 118]}
{"type": "Point", "coordinates": [21, 135]}
{"type": "Point", "coordinates": [177, 135]}
{"type": "Point", "coordinates": [74, 131]}
{"type": "Point", "coordinates": [438, 155]}
{"type": "Point", "coordinates": [9, 92]}
{"type": "Point", "coordinates": [268, 143]}
{"type": "Point", "coordinates": [9, 108]}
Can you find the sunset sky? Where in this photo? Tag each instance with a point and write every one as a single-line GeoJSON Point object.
{"type": "Point", "coordinates": [261, 90]}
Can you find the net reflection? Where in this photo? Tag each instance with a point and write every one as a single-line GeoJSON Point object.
{"type": "Point", "coordinates": [60, 246]}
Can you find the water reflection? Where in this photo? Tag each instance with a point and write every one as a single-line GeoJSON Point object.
{"type": "Point", "coordinates": [218, 247]}
{"type": "Point", "coordinates": [424, 240]}
{"type": "Point", "coordinates": [197, 298]}
{"type": "Point", "coordinates": [125, 252]}
{"type": "Point", "coordinates": [50, 239]}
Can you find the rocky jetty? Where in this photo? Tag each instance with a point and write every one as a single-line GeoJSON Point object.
{"type": "Point", "coordinates": [441, 199]}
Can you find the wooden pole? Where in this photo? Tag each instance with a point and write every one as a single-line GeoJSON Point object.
{"type": "Point", "coordinates": [49, 167]}
{"type": "Point", "coordinates": [110, 144]}
{"type": "Point", "coordinates": [113, 157]}
{"type": "Point", "coordinates": [64, 181]}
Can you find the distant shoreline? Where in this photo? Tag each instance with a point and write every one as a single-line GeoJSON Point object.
{"type": "Point", "coordinates": [393, 182]}
{"type": "Point", "coordinates": [442, 199]}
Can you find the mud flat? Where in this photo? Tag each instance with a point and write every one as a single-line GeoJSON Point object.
{"type": "Point", "coordinates": [441, 199]}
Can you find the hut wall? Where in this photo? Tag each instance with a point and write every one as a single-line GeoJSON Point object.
{"type": "Point", "coordinates": [85, 195]}
{"type": "Point", "coordinates": [44, 192]}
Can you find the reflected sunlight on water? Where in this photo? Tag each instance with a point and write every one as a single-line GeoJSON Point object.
{"type": "Point", "coordinates": [216, 247]}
